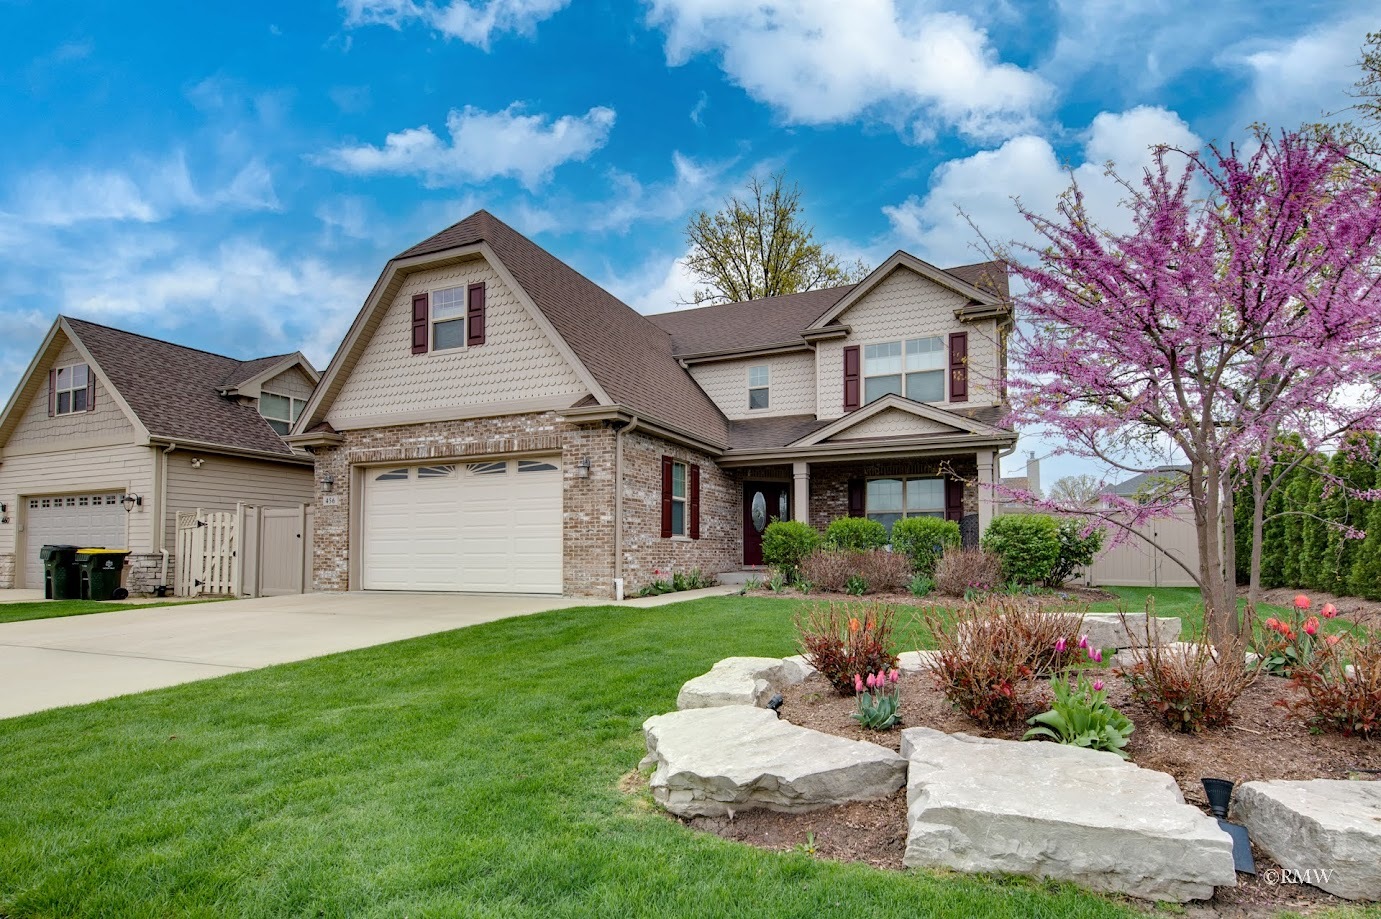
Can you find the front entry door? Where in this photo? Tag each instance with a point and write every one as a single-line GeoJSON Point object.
{"type": "Point", "coordinates": [763, 502]}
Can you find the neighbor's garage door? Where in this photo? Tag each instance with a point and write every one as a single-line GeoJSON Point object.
{"type": "Point", "coordinates": [70, 520]}
{"type": "Point", "coordinates": [488, 527]}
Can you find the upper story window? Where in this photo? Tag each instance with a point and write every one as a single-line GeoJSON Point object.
{"type": "Point", "coordinates": [678, 499]}
{"type": "Point", "coordinates": [759, 379]}
{"type": "Point", "coordinates": [890, 500]}
{"type": "Point", "coordinates": [448, 318]}
{"type": "Point", "coordinates": [70, 389]}
{"type": "Point", "coordinates": [914, 368]}
{"type": "Point", "coordinates": [281, 412]}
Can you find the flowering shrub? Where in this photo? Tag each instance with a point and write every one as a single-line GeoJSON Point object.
{"type": "Point", "coordinates": [1187, 686]}
{"type": "Point", "coordinates": [1081, 716]}
{"type": "Point", "coordinates": [1076, 550]}
{"type": "Point", "coordinates": [1342, 686]}
{"type": "Point", "coordinates": [966, 571]}
{"type": "Point", "coordinates": [1286, 644]}
{"type": "Point", "coordinates": [841, 641]}
{"type": "Point", "coordinates": [878, 704]}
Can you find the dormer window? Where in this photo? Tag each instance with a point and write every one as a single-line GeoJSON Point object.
{"type": "Point", "coordinates": [759, 379]}
{"type": "Point", "coordinates": [70, 389]}
{"type": "Point", "coordinates": [280, 411]}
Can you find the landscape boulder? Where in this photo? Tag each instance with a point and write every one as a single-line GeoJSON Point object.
{"type": "Point", "coordinates": [738, 681]}
{"type": "Point", "coordinates": [916, 661]}
{"type": "Point", "coordinates": [714, 762]}
{"type": "Point", "coordinates": [1053, 811]}
{"type": "Point", "coordinates": [1328, 831]}
{"type": "Point", "coordinates": [1107, 630]}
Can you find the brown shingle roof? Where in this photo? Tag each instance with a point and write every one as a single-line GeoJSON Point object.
{"type": "Point", "coordinates": [629, 357]}
{"type": "Point", "coordinates": [769, 433]}
{"type": "Point", "coordinates": [175, 390]}
{"type": "Point", "coordinates": [748, 325]}
{"type": "Point", "coordinates": [990, 277]}
{"type": "Point", "coordinates": [250, 369]}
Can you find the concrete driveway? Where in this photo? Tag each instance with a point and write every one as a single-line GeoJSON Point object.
{"type": "Point", "coordinates": [45, 663]}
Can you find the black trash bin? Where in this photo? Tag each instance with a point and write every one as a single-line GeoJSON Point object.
{"type": "Point", "coordinates": [61, 580]}
{"type": "Point", "coordinates": [102, 571]}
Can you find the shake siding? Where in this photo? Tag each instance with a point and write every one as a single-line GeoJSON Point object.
{"type": "Point", "coordinates": [37, 432]}
{"type": "Point", "coordinates": [516, 362]}
{"type": "Point", "coordinates": [792, 385]}
{"type": "Point", "coordinates": [893, 423]}
{"type": "Point", "coordinates": [292, 383]}
{"type": "Point", "coordinates": [223, 481]}
{"type": "Point", "coordinates": [124, 468]}
{"type": "Point", "coordinates": [906, 305]}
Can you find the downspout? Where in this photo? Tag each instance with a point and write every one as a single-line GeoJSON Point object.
{"type": "Point", "coordinates": [618, 506]}
{"type": "Point", "coordinates": [162, 524]}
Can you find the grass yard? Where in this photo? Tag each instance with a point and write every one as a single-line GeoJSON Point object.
{"type": "Point", "coordinates": [54, 609]}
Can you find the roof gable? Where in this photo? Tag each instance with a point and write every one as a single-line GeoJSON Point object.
{"type": "Point", "coordinates": [896, 416]}
{"type": "Point", "coordinates": [904, 260]}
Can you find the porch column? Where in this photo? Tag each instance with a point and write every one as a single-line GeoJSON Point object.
{"type": "Point", "coordinates": [800, 493]}
{"type": "Point", "coordinates": [986, 499]}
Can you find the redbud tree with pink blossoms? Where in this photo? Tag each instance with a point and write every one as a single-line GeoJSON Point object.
{"type": "Point", "coordinates": [1242, 311]}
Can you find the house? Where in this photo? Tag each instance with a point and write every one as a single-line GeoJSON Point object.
{"type": "Point", "coordinates": [1029, 483]}
{"type": "Point", "coordinates": [1145, 485]}
{"type": "Point", "coordinates": [494, 421]}
{"type": "Point", "coordinates": [109, 434]}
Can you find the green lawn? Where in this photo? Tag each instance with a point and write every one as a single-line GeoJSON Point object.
{"type": "Point", "coordinates": [55, 609]}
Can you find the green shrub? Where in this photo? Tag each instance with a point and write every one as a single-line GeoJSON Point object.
{"type": "Point", "coordinates": [1076, 550]}
{"type": "Point", "coordinates": [921, 586]}
{"type": "Point", "coordinates": [785, 543]}
{"type": "Point", "coordinates": [856, 533]}
{"type": "Point", "coordinates": [1027, 544]}
{"type": "Point", "coordinates": [924, 540]}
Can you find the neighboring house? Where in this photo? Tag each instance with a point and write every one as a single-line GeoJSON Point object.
{"type": "Point", "coordinates": [1146, 484]}
{"type": "Point", "coordinates": [110, 433]}
{"type": "Point", "coordinates": [494, 421]}
{"type": "Point", "coordinates": [1031, 483]}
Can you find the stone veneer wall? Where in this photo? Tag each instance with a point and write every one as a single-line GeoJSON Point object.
{"type": "Point", "coordinates": [829, 482]}
{"type": "Point", "coordinates": [7, 570]}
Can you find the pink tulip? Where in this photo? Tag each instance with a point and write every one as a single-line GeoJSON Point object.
{"type": "Point", "coordinates": [1060, 645]}
{"type": "Point", "coordinates": [895, 676]}
{"type": "Point", "coordinates": [1311, 625]}
{"type": "Point", "coordinates": [1095, 655]}
{"type": "Point", "coordinates": [1097, 685]}
{"type": "Point", "coordinates": [872, 681]}
{"type": "Point", "coordinates": [1083, 641]}
{"type": "Point", "coordinates": [858, 683]}
{"type": "Point", "coordinates": [1301, 602]}
{"type": "Point", "coordinates": [1328, 611]}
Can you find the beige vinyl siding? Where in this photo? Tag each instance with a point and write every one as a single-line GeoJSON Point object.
{"type": "Point", "coordinates": [224, 481]}
{"type": "Point", "coordinates": [292, 382]}
{"type": "Point", "coordinates": [893, 423]}
{"type": "Point", "coordinates": [517, 362]}
{"type": "Point", "coordinates": [791, 385]}
{"type": "Point", "coordinates": [36, 432]}
{"type": "Point", "coordinates": [905, 305]}
{"type": "Point", "coordinates": [126, 469]}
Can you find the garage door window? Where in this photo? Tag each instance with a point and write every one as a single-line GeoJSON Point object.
{"type": "Point", "coordinates": [488, 468]}
{"type": "Point", "coordinates": [393, 475]}
{"type": "Point", "coordinates": [435, 472]}
{"type": "Point", "coordinates": [535, 466]}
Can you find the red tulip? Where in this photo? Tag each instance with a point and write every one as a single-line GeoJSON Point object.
{"type": "Point", "coordinates": [1328, 611]}
{"type": "Point", "coordinates": [1301, 602]}
{"type": "Point", "coordinates": [1311, 625]}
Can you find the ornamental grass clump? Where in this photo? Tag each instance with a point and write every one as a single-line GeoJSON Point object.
{"type": "Point", "coordinates": [842, 640]}
{"type": "Point", "coordinates": [879, 700]}
{"type": "Point", "coordinates": [1342, 686]}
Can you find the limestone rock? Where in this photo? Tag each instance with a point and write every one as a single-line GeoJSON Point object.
{"type": "Point", "coordinates": [795, 669]}
{"type": "Point", "coordinates": [1105, 630]}
{"type": "Point", "coordinates": [1328, 830]}
{"type": "Point", "coordinates": [714, 761]}
{"type": "Point", "coordinates": [733, 681]}
{"type": "Point", "coordinates": [1048, 810]}
{"type": "Point", "coordinates": [916, 661]}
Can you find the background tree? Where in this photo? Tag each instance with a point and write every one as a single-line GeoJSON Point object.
{"type": "Point", "coordinates": [1075, 490]}
{"type": "Point", "coordinates": [1239, 312]}
{"type": "Point", "coordinates": [759, 245]}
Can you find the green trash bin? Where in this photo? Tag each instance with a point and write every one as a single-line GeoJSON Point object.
{"type": "Point", "coordinates": [102, 571]}
{"type": "Point", "coordinates": [61, 581]}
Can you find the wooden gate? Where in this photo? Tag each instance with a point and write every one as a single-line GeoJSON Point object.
{"type": "Point", "coordinates": [207, 560]}
{"type": "Point", "coordinates": [248, 552]}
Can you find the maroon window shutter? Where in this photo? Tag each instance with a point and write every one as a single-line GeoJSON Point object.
{"type": "Point", "coordinates": [420, 311]}
{"type": "Point", "coordinates": [959, 367]}
{"type": "Point", "coordinates": [954, 499]}
{"type": "Point", "coordinates": [852, 379]}
{"type": "Point", "coordinates": [666, 497]}
{"type": "Point", "coordinates": [52, 393]}
{"type": "Point", "coordinates": [90, 389]}
{"type": "Point", "coordinates": [474, 314]}
{"type": "Point", "coordinates": [857, 492]}
{"type": "Point", "coordinates": [694, 502]}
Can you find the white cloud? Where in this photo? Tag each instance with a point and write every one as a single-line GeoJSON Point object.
{"type": "Point", "coordinates": [473, 23]}
{"type": "Point", "coordinates": [659, 285]}
{"type": "Point", "coordinates": [822, 61]}
{"type": "Point", "coordinates": [482, 146]}
{"type": "Point", "coordinates": [1027, 167]}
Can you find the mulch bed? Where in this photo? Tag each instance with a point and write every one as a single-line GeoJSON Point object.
{"type": "Point", "coordinates": [1066, 594]}
{"type": "Point", "coordinates": [1265, 742]}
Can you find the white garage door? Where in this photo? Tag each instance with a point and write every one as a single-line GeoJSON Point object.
{"type": "Point", "coordinates": [491, 527]}
{"type": "Point", "coordinates": [70, 520]}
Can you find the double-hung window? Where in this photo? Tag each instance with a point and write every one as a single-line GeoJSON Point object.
{"type": "Point", "coordinates": [69, 389]}
{"type": "Point", "coordinates": [678, 499]}
{"type": "Point", "coordinates": [758, 385]}
{"type": "Point", "coordinates": [280, 411]}
{"type": "Point", "coordinates": [448, 318]}
{"type": "Point", "coordinates": [892, 499]}
{"type": "Point", "coordinates": [914, 368]}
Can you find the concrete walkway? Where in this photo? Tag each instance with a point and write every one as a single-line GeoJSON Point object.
{"type": "Point", "coordinates": [45, 663]}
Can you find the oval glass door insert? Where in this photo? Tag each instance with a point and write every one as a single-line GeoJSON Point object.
{"type": "Point", "coordinates": [759, 512]}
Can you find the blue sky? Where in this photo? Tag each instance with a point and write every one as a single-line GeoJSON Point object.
{"type": "Point", "coordinates": [233, 176]}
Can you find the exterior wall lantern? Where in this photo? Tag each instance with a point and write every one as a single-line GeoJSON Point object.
{"type": "Point", "coordinates": [130, 502]}
{"type": "Point", "coordinates": [582, 468]}
{"type": "Point", "coordinates": [328, 483]}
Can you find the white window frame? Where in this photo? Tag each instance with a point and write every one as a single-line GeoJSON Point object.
{"type": "Point", "coordinates": [462, 318]}
{"type": "Point", "coordinates": [71, 391]}
{"type": "Point", "coordinates": [683, 499]}
{"type": "Point", "coordinates": [904, 371]}
{"type": "Point", "coordinates": [295, 407]}
{"type": "Point", "coordinates": [764, 386]}
{"type": "Point", "coordinates": [906, 510]}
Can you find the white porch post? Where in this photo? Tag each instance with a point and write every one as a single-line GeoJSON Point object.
{"type": "Point", "coordinates": [800, 495]}
{"type": "Point", "coordinates": [987, 502]}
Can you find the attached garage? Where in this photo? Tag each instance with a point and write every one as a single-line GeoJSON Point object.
{"type": "Point", "coordinates": [486, 527]}
{"type": "Point", "coordinates": [70, 520]}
